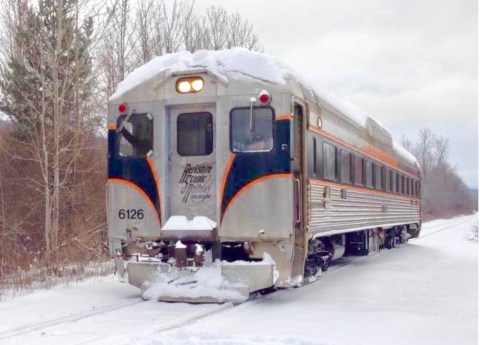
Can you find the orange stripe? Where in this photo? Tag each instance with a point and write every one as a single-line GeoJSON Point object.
{"type": "Point", "coordinates": [283, 117]}
{"type": "Point", "coordinates": [112, 126]}
{"type": "Point", "coordinates": [223, 182]}
{"type": "Point", "coordinates": [137, 188]}
{"type": "Point", "coordinates": [371, 152]}
{"type": "Point", "coordinates": [151, 164]}
{"type": "Point", "coordinates": [251, 184]}
{"type": "Point", "coordinates": [360, 189]}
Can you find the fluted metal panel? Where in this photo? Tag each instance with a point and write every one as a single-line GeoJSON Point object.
{"type": "Point", "coordinates": [359, 210]}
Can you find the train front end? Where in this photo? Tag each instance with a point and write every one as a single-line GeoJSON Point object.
{"type": "Point", "coordinates": [199, 171]}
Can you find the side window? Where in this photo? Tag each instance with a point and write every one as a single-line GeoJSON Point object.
{"type": "Point", "coordinates": [369, 174]}
{"type": "Point", "coordinates": [135, 139]}
{"type": "Point", "coordinates": [329, 161]}
{"type": "Point", "coordinates": [314, 151]}
{"type": "Point", "coordinates": [194, 134]}
{"type": "Point", "coordinates": [378, 176]}
{"type": "Point", "coordinates": [345, 168]}
{"type": "Point", "coordinates": [251, 132]}
{"type": "Point", "coordinates": [388, 177]}
{"type": "Point", "coordinates": [359, 171]}
{"type": "Point", "coordinates": [384, 178]}
{"type": "Point", "coordinates": [393, 182]}
{"type": "Point", "coordinates": [399, 185]}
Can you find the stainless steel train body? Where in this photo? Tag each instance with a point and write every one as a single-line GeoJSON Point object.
{"type": "Point", "coordinates": [184, 166]}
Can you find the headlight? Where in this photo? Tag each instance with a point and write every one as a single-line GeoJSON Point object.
{"type": "Point", "coordinates": [186, 85]}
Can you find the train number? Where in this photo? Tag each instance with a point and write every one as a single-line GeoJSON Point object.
{"type": "Point", "coordinates": [130, 214]}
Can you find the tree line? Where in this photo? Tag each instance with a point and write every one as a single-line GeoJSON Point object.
{"type": "Point", "coordinates": [60, 60]}
{"type": "Point", "coordinates": [444, 194]}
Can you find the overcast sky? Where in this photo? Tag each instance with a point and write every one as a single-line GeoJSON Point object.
{"type": "Point", "coordinates": [410, 63]}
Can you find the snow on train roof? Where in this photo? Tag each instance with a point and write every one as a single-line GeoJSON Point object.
{"type": "Point", "coordinates": [231, 64]}
{"type": "Point", "coordinates": [239, 64]}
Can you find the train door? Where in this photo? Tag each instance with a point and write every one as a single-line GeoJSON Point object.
{"type": "Point", "coordinates": [191, 162]}
{"type": "Point", "coordinates": [298, 140]}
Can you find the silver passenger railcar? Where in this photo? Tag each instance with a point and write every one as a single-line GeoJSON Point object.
{"type": "Point", "coordinates": [228, 159]}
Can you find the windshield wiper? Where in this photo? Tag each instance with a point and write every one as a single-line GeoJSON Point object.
{"type": "Point", "coordinates": [125, 120]}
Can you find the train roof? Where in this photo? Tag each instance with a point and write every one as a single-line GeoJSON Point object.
{"type": "Point", "coordinates": [240, 64]}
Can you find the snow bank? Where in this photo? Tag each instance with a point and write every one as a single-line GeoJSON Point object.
{"type": "Point", "coordinates": [185, 337]}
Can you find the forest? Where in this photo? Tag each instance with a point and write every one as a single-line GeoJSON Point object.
{"type": "Point", "coordinates": [60, 60]}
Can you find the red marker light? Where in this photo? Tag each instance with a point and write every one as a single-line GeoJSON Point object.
{"type": "Point", "coordinates": [122, 108]}
{"type": "Point", "coordinates": [264, 97]}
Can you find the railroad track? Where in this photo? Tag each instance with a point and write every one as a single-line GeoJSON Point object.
{"type": "Point", "coordinates": [443, 227]}
{"type": "Point", "coordinates": [65, 319]}
{"type": "Point", "coordinates": [46, 332]}
{"type": "Point", "coordinates": [180, 320]}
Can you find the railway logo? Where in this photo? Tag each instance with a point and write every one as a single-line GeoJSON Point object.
{"type": "Point", "coordinates": [196, 183]}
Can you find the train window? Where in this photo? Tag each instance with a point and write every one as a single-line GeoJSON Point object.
{"type": "Point", "coordinates": [378, 176]}
{"type": "Point", "coordinates": [135, 138]}
{"type": "Point", "coordinates": [329, 161]}
{"type": "Point", "coordinates": [251, 132]}
{"type": "Point", "coordinates": [399, 186]}
{"type": "Point", "coordinates": [402, 184]}
{"type": "Point", "coordinates": [345, 166]}
{"type": "Point", "coordinates": [369, 174]}
{"type": "Point", "coordinates": [384, 178]}
{"type": "Point", "coordinates": [359, 171]}
{"type": "Point", "coordinates": [314, 150]}
{"type": "Point", "coordinates": [393, 181]}
{"type": "Point", "coordinates": [408, 185]}
{"type": "Point", "coordinates": [388, 176]}
{"type": "Point", "coordinates": [194, 134]}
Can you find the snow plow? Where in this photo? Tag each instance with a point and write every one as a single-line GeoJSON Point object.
{"type": "Point", "coordinates": [184, 271]}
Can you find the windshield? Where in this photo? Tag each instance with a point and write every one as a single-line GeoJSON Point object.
{"type": "Point", "coordinates": [252, 134]}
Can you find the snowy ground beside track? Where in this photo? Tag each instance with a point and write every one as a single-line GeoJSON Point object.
{"type": "Point", "coordinates": [425, 292]}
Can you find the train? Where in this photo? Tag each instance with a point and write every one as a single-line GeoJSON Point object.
{"type": "Point", "coordinates": [229, 175]}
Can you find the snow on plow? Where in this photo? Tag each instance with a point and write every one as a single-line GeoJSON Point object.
{"type": "Point", "coordinates": [206, 285]}
{"type": "Point", "coordinates": [220, 282]}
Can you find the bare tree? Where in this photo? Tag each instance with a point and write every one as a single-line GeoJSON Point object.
{"type": "Point", "coordinates": [117, 44]}
{"type": "Point", "coordinates": [424, 150]}
{"type": "Point", "coordinates": [441, 151]}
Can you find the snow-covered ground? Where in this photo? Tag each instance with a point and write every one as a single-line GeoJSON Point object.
{"type": "Point", "coordinates": [425, 292]}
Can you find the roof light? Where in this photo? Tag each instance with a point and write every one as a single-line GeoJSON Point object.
{"type": "Point", "coordinates": [264, 97]}
{"type": "Point", "coordinates": [123, 108]}
{"type": "Point", "coordinates": [186, 85]}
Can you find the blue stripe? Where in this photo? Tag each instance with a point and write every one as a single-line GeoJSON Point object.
{"type": "Point", "coordinates": [247, 167]}
{"type": "Point", "coordinates": [132, 169]}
